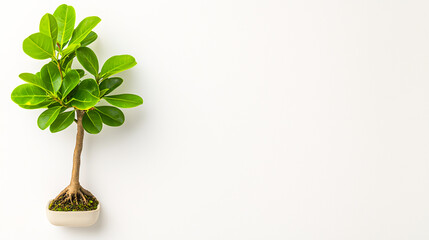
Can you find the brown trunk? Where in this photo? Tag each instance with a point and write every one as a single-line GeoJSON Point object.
{"type": "Point", "coordinates": [77, 150]}
{"type": "Point", "coordinates": [74, 192]}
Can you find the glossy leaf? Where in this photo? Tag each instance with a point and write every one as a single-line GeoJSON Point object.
{"type": "Point", "coordinates": [48, 117]}
{"type": "Point", "coordinates": [124, 100]}
{"type": "Point", "coordinates": [92, 122]}
{"type": "Point", "coordinates": [48, 26]}
{"type": "Point", "coordinates": [88, 59]}
{"type": "Point", "coordinates": [66, 17]}
{"type": "Point", "coordinates": [69, 65]}
{"type": "Point", "coordinates": [103, 92]}
{"type": "Point", "coordinates": [71, 80]}
{"type": "Point", "coordinates": [70, 48]}
{"type": "Point", "coordinates": [63, 120]}
{"type": "Point", "coordinates": [86, 95]}
{"type": "Point", "coordinates": [83, 29]}
{"type": "Point", "coordinates": [81, 72]}
{"type": "Point", "coordinates": [51, 77]}
{"type": "Point", "coordinates": [117, 64]}
{"type": "Point", "coordinates": [109, 84]}
{"type": "Point", "coordinates": [28, 95]}
{"type": "Point", "coordinates": [54, 104]}
{"type": "Point", "coordinates": [44, 104]}
{"type": "Point", "coordinates": [33, 79]}
{"type": "Point", "coordinates": [92, 36]}
{"type": "Point", "coordinates": [111, 116]}
{"type": "Point", "coordinates": [38, 46]}
{"type": "Point", "coordinates": [67, 61]}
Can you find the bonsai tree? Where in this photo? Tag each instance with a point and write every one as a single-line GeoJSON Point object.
{"type": "Point", "coordinates": [71, 95]}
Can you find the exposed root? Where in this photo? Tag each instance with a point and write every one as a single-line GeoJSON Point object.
{"type": "Point", "coordinates": [72, 194]}
{"type": "Point", "coordinates": [74, 197]}
{"type": "Point", "coordinates": [86, 192]}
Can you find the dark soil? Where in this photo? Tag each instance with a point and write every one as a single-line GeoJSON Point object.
{"type": "Point", "coordinates": [61, 205]}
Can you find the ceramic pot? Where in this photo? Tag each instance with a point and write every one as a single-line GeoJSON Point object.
{"type": "Point", "coordinates": [73, 218]}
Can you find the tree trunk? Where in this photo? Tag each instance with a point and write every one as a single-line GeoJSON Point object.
{"type": "Point", "coordinates": [74, 193]}
{"type": "Point", "coordinates": [74, 183]}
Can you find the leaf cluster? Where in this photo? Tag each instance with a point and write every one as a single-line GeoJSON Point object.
{"type": "Point", "coordinates": [62, 90]}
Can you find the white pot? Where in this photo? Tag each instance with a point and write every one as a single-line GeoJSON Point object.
{"type": "Point", "coordinates": [73, 218]}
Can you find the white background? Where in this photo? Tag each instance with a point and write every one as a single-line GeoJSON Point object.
{"type": "Point", "coordinates": [276, 120]}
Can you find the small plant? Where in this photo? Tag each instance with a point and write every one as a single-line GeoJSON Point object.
{"type": "Point", "coordinates": [68, 95]}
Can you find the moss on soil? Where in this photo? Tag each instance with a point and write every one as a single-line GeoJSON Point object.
{"type": "Point", "coordinates": [59, 205]}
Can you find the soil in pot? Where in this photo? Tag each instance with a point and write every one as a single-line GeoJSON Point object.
{"type": "Point", "coordinates": [61, 203]}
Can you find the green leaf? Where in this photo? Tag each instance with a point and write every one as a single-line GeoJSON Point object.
{"type": "Point", "coordinates": [92, 122]}
{"type": "Point", "coordinates": [67, 61]}
{"type": "Point", "coordinates": [63, 120]}
{"type": "Point", "coordinates": [109, 84]}
{"type": "Point", "coordinates": [71, 80]}
{"type": "Point", "coordinates": [117, 64]}
{"type": "Point", "coordinates": [33, 79]}
{"type": "Point", "coordinates": [48, 26]}
{"type": "Point", "coordinates": [70, 48]}
{"type": "Point", "coordinates": [69, 65]}
{"type": "Point", "coordinates": [81, 72]}
{"type": "Point", "coordinates": [48, 117]}
{"type": "Point", "coordinates": [51, 77]}
{"type": "Point", "coordinates": [66, 18]}
{"type": "Point", "coordinates": [103, 92]}
{"type": "Point", "coordinates": [28, 95]}
{"type": "Point", "coordinates": [84, 28]}
{"type": "Point", "coordinates": [29, 77]}
{"type": "Point", "coordinates": [92, 36]}
{"type": "Point", "coordinates": [86, 95]}
{"type": "Point", "coordinates": [124, 100]}
{"type": "Point", "coordinates": [44, 104]}
{"type": "Point", "coordinates": [88, 59]}
{"type": "Point", "coordinates": [38, 46]}
{"type": "Point", "coordinates": [54, 104]}
{"type": "Point", "coordinates": [111, 116]}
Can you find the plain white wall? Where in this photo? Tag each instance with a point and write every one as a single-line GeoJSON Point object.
{"type": "Point", "coordinates": [267, 119]}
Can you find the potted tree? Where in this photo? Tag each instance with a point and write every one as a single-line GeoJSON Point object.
{"type": "Point", "coordinates": [69, 96]}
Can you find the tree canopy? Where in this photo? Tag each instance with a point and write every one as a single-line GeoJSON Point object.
{"type": "Point", "coordinates": [62, 90]}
